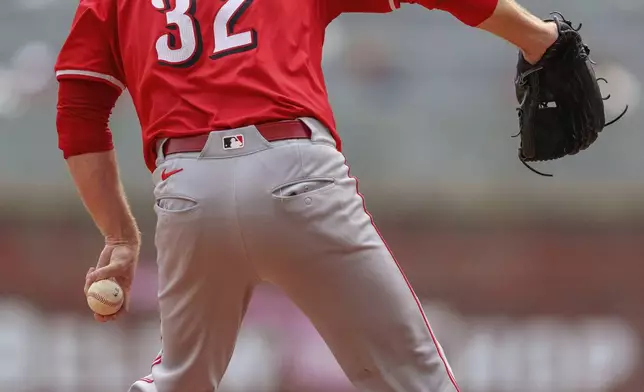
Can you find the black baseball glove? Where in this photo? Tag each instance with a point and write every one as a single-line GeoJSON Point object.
{"type": "Point", "coordinates": [561, 109]}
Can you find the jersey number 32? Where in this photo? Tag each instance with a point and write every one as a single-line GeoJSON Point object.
{"type": "Point", "coordinates": [184, 27]}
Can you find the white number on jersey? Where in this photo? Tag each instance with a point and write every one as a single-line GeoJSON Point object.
{"type": "Point", "coordinates": [183, 45]}
{"type": "Point", "coordinates": [181, 20]}
{"type": "Point", "coordinates": [227, 42]}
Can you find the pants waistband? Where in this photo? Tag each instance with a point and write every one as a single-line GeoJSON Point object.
{"type": "Point", "coordinates": [245, 140]}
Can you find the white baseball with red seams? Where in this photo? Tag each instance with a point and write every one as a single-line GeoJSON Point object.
{"type": "Point", "coordinates": [105, 297]}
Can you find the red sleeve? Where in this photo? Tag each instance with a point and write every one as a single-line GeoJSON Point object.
{"type": "Point", "coordinates": [470, 12]}
{"type": "Point", "coordinates": [333, 8]}
{"type": "Point", "coordinates": [84, 108]}
{"type": "Point", "coordinates": [91, 49]}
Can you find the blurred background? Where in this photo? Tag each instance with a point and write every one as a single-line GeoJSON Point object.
{"type": "Point", "coordinates": [532, 284]}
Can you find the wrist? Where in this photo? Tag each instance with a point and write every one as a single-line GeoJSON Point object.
{"type": "Point", "coordinates": [531, 35]}
{"type": "Point", "coordinates": [123, 240]}
{"type": "Point", "coordinates": [128, 236]}
{"type": "Point", "coordinates": [539, 42]}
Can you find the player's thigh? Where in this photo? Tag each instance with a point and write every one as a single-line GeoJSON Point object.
{"type": "Point", "coordinates": [341, 274]}
{"type": "Point", "coordinates": [365, 311]}
{"type": "Point", "coordinates": [205, 282]}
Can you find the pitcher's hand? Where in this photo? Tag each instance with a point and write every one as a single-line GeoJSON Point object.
{"type": "Point", "coordinates": [118, 262]}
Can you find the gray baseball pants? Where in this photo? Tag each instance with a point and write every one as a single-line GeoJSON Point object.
{"type": "Point", "coordinates": [287, 213]}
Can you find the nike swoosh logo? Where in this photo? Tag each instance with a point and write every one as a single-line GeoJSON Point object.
{"type": "Point", "coordinates": [165, 175]}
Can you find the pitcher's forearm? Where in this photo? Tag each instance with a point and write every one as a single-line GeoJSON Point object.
{"type": "Point", "coordinates": [519, 27]}
{"type": "Point", "coordinates": [98, 183]}
{"type": "Point", "coordinates": [504, 18]}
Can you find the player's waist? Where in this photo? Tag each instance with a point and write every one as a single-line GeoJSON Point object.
{"type": "Point", "coordinates": [245, 140]}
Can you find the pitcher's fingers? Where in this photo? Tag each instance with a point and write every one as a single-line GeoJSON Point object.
{"type": "Point", "coordinates": [121, 312]}
{"type": "Point", "coordinates": [103, 319]}
{"type": "Point", "coordinates": [110, 317]}
{"type": "Point", "coordinates": [107, 272]}
{"type": "Point", "coordinates": [87, 281]}
{"type": "Point", "coordinates": [126, 286]}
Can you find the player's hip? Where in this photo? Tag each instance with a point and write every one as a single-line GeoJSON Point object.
{"type": "Point", "coordinates": [239, 165]}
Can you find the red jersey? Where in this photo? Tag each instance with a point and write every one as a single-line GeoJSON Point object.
{"type": "Point", "coordinates": [193, 66]}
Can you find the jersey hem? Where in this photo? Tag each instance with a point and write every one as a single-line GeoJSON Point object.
{"type": "Point", "coordinates": [91, 74]}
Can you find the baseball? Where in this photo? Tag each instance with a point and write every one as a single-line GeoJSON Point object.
{"type": "Point", "coordinates": [105, 297]}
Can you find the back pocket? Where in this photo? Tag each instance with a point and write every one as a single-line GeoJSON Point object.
{"type": "Point", "coordinates": [302, 187]}
{"type": "Point", "coordinates": [175, 203]}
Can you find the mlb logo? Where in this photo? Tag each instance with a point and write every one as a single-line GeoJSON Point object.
{"type": "Point", "coordinates": [233, 142]}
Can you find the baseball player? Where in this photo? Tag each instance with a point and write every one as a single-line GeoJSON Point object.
{"type": "Point", "coordinates": [249, 179]}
